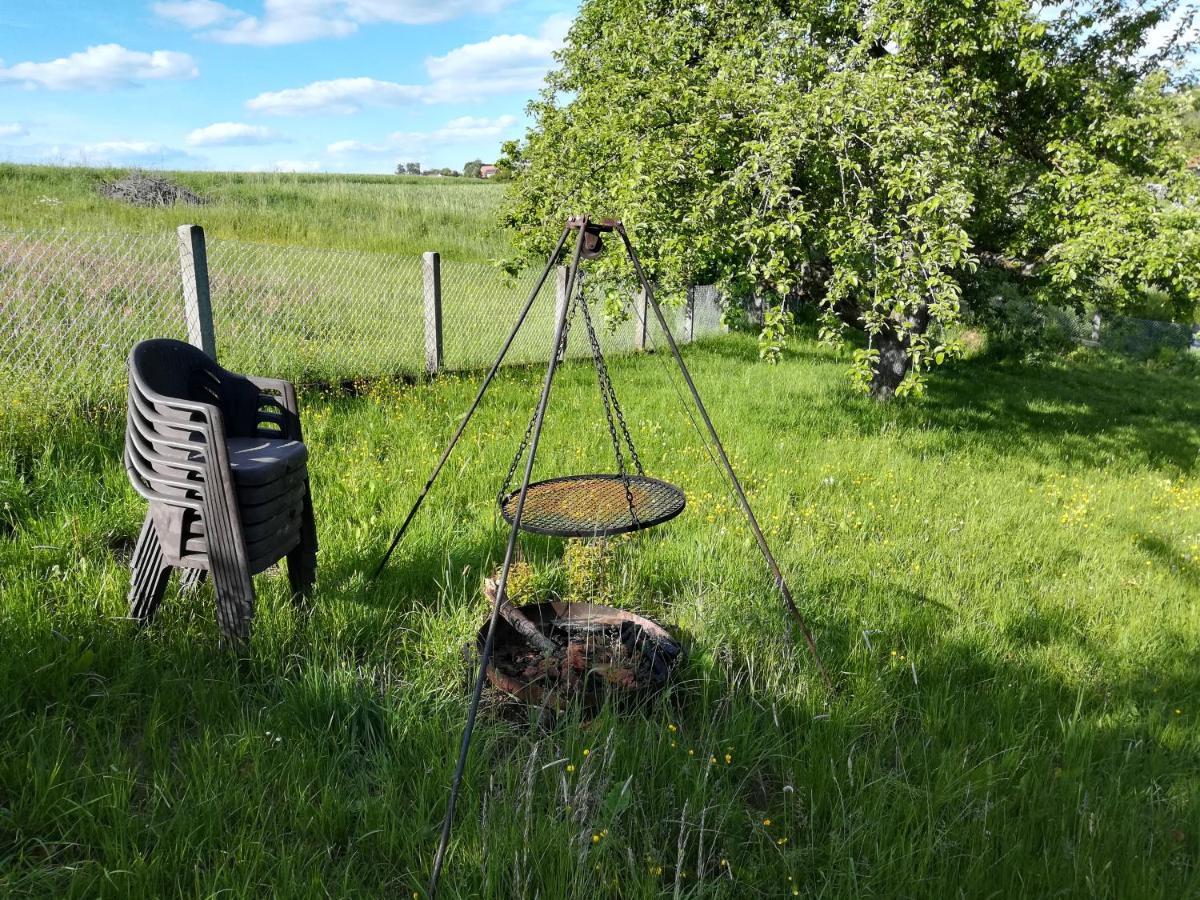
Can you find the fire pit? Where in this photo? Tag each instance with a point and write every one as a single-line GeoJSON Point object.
{"type": "Point", "coordinates": [578, 652]}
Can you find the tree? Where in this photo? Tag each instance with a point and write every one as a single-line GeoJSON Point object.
{"type": "Point", "coordinates": [472, 169]}
{"type": "Point", "coordinates": [411, 168]}
{"type": "Point", "coordinates": [870, 158]}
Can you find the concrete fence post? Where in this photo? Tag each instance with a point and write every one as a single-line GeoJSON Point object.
{"type": "Point", "coordinates": [641, 324]}
{"type": "Point", "coordinates": [197, 301]}
{"type": "Point", "coordinates": [560, 300]}
{"type": "Point", "coordinates": [1195, 347]}
{"type": "Point", "coordinates": [1096, 328]}
{"type": "Point", "coordinates": [431, 269]}
{"type": "Point", "coordinates": [689, 315]}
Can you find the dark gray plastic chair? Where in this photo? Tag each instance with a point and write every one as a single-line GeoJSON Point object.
{"type": "Point", "coordinates": [221, 460]}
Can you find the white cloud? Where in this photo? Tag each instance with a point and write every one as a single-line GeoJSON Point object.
{"type": "Point", "coordinates": [232, 134]}
{"type": "Point", "coordinates": [295, 21]}
{"type": "Point", "coordinates": [341, 96]}
{"type": "Point", "coordinates": [464, 129]}
{"type": "Point", "coordinates": [504, 64]}
{"type": "Point", "coordinates": [13, 130]}
{"type": "Point", "coordinates": [295, 25]}
{"type": "Point", "coordinates": [103, 67]}
{"type": "Point", "coordinates": [195, 13]}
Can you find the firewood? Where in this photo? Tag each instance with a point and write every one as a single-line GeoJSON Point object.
{"type": "Point", "coordinates": [518, 620]}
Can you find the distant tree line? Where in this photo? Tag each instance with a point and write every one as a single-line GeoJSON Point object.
{"type": "Point", "coordinates": [475, 168]}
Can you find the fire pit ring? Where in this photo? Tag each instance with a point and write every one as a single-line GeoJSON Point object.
{"type": "Point", "coordinates": [605, 652]}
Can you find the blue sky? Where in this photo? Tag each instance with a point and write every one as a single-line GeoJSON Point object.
{"type": "Point", "coordinates": [288, 85]}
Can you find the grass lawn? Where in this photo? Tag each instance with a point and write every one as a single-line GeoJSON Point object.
{"type": "Point", "coordinates": [1004, 576]}
{"type": "Point", "coordinates": [381, 213]}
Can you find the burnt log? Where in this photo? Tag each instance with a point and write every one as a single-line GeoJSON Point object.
{"type": "Point", "coordinates": [520, 622]}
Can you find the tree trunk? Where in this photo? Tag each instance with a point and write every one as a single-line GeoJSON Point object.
{"type": "Point", "coordinates": [894, 362]}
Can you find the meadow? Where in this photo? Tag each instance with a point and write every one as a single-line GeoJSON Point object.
{"type": "Point", "coordinates": [1003, 577]}
{"type": "Point", "coordinates": [378, 213]}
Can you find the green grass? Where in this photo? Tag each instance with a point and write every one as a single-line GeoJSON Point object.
{"type": "Point", "coordinates": [383, 213]}
{"type": "Point", "coordinates": [1005, 578]}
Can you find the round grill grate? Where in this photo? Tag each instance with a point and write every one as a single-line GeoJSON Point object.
{"type": "Point", "coordinates": [594, 505]}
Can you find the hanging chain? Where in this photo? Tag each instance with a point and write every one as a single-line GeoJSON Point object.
{"type": "Point", "coordinates": [609, 399]}
{"type": "Point", "coordinates": [506, 487]}
{"type": "Point", "coordinates": [610, 396]}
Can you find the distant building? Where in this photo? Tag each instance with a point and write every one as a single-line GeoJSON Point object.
{"type": "Point", "coordinates": [487, 170]}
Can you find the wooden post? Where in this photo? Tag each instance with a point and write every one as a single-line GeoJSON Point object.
{"type": "Point", "coordinates": [641, 324]}
{"type": "Point", "coordinates": [560, 300]}
{"type": "Point", "coordinates": [689, 315]}
{"type": "Point", "coordinates": [197, 302]}
{"type": "Point", "coordinates": [1096, 328]}
{"type": "Point", "coordinates": [431, 266]}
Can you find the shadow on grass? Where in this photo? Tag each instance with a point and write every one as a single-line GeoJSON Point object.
{"type": "Point", "coordinates": [1092, 411]}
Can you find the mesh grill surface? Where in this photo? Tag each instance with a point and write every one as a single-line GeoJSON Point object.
{"type": "Point", "coordinates": [594, 505]}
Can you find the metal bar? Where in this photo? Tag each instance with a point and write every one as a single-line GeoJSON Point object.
{"type": "Point", "coordinates": [737, 485]}
{"type": "Point", "coordinates": [489, 642]}
{"type": "Point", "coordinates": [462, 426]}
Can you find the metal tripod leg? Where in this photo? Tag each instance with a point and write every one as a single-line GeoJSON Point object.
{"type": "Point", "coordinates": [751, 519]}
{"type": "Point", "coordinates": [489, 642]}
{"type": "Point", "coordinates": [462, 426]}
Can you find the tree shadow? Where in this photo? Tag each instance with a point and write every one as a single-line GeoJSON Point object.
{"type": "Point", "coordinates": [1090, 413]}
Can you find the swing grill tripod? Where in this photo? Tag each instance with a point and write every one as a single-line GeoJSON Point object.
{"type": "Point", "coordinates": [565, 506]}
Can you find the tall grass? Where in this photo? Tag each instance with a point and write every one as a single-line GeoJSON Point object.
{"type": "Point", "coordinates": [404, 215]}
{"type": "Point", "coordinates": [1003, 576]}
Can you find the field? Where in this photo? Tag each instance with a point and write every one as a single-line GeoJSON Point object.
{"type": "Point", "coordinates": [1003, 578]}
{"type": "Point", "coordinates": [379, 213]}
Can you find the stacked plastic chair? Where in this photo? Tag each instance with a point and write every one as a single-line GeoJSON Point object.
{"type": "Point", "coordinates": [221, 459]}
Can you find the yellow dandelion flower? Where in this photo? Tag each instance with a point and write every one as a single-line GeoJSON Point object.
{"type": "Point", "coordinates": [570, 768]}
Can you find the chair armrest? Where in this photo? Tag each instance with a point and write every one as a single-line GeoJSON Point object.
{"type": "Point", "coordinates": [287, 416]}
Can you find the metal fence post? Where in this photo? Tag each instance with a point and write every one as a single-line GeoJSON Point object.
{"type": "Point", "coordinates": [689, 315]}
{"type": "Point", "coordinates": [560, 300]}
{"type": "Point", "coordinates": [431, 266]}
{"type": "Point", "coordinates": [197, 302]}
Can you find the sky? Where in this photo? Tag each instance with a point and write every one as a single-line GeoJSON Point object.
{"type": "Point", "coordinates": [271, 85]}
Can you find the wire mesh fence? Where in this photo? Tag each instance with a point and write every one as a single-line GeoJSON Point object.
{"type": "Point", "coordinates": [314, 315]}
{"type": "Point", "coordinates": [1123, 334]}
{"type": "Point", "coordinates": [72, 304]}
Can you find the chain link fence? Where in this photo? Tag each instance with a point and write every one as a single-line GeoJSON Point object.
{"type": "Point", "coordinates": [1124, 334]}
{"type": "Point", "coordinates": [72, 304]}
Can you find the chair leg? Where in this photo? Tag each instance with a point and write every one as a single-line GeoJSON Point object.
{"type": "Point", "coordinates": [235, 602]}
{"type": "Point", "coordinates": [191, 579]}
{"type": "Point", "coordinates": [149, 574]}
{"type": "Point", "coordinates": [302, 561]}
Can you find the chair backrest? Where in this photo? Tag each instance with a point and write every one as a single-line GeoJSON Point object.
{"type": "Point", "coordinates": [181, 371]}
{"type": "Point", "coordinates": [165, 442]}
